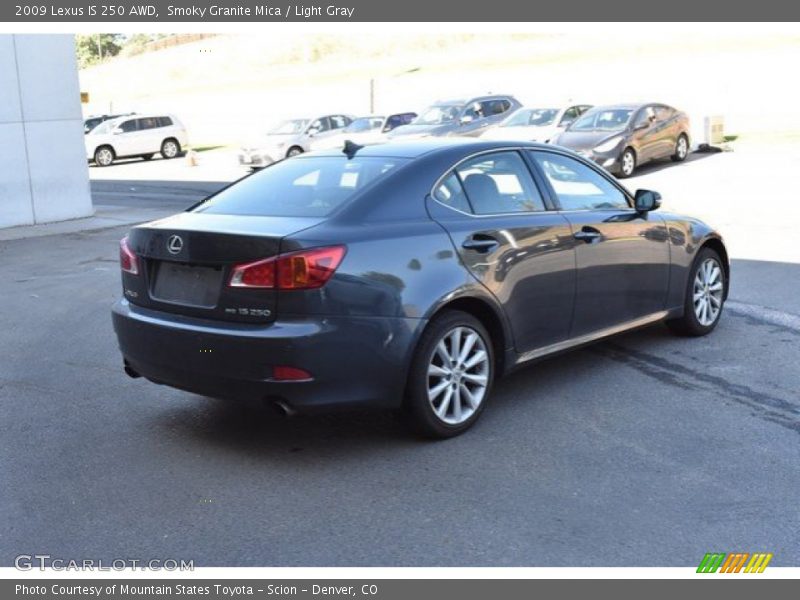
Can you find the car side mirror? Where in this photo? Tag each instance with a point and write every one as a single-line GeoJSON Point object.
{"type": "Point", "coordinates": [640, 126]}
{"type": "Point", "coordinates": [467, 119]}
{"type": "Point", "coordinates": [565, 124]}
{"type": "Point", "coordinates": [313, 131]}
{"type": "Point", "coordinates": [646, 200]}
{"type": "Point", "coordinates": [116, 131]}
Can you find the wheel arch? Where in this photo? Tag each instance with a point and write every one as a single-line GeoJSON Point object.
{"type": "Point", "coordinates": [716, 244]}
{"type": "Point", "coordinates": [490, 316]}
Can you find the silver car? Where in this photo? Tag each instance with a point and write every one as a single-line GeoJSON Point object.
{"type": "Point", "coordinates": [289, 138]}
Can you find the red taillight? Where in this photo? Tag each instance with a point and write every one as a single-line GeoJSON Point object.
{"type": "Point", "coordinates": [127, 259]}
{"type": "Point", "coordinates": [304, 270]}
{"type": "Point", "coordinates": [284, 373]}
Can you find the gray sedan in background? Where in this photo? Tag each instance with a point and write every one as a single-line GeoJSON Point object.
{"type": "Point", "coordinates": [623, 136]}
{"type": "Point", "coordinates": [467, 118]}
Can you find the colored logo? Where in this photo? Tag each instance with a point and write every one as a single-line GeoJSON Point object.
{"type": "Point", "coordinates": [735, 562]}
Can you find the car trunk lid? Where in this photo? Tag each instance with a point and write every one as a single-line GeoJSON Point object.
{"type": "Point", "coordinates": [186, 263]}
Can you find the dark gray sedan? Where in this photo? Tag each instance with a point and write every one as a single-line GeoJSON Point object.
{"type": "Point", "coordinates": [623, 136]}
{"type": "Point", "coordinates": [406, 275]}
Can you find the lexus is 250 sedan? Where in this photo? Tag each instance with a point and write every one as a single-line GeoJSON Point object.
{"type": "Point", "coordinates": [407, 275]}
{"type": "Point", "coordinates": [624, 136]}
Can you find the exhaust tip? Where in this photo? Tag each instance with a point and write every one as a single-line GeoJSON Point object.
{"type": "Point", "coordinates": [282, 407]}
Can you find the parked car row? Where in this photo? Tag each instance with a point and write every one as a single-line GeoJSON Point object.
{"type": "Point", "coordinates": [617, 137]}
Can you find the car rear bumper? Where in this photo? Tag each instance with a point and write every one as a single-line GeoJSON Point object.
{"type": "Point", "coordinates": [256, 159]}
{"type": "Point", "coordinates": [353, 361]}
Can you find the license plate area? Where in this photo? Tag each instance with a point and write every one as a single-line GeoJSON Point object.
{"type": "Point", "coordinates": [188, 285]}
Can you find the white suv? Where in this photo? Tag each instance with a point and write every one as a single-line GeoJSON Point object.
{"type": "Point", "coordinates": [139, 135]}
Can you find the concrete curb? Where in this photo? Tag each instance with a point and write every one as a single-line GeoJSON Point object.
{"type": "Point", "coordinates": [105, 217]}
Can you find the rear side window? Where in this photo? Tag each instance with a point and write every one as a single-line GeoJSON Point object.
{"type": "Point", "coordinates": [499, 183]}
{"type": "Point", "coordinates": [164, 122]}
{"type": "Point", "coordinates": [148, 123]}
{"type": "Point", "coordinates": [128, 126]}
{"type": "Point", "coordinates": [300, 187]}
{"type": "Point", "coordinates": [450, 192]}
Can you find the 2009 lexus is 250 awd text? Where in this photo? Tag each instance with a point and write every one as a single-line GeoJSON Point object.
{"type": "Point", "coordinates": [407, 275]}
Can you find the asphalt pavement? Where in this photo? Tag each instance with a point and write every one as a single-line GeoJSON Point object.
{"type": "Point", "coordinates": [646, 450]}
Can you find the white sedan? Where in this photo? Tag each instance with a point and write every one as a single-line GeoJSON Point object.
{"type": "Point", "coordinates": [535, 124]}
{"type": "Point", "coordinates": [365, 130]}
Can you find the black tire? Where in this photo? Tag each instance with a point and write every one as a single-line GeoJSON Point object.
{"type": "Point", "coordinates": [104, 156]}
{"type": "Point", "coordinates": [147, 156]}
{"type": "Point", "coordinates": [170, 148]}
{"type": "Point", "coordinates": [418, 408]}
{"type": "Point", "coordinates": [690, 324]}
{"type": "Point", "coordinates": [627, 163]}
{"type": "Point", "coordinates": [294, 151]}
{"type": "Point", "coordinates": [681, 148]}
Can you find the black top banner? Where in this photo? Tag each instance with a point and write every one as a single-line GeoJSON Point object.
{"type": "Point", "coordinates": [459, 11]}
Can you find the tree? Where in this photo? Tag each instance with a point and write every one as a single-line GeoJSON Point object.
{"type": "Point", "coordinates": [92, 49]}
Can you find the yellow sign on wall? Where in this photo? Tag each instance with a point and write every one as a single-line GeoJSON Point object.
{"type": "Point", "coordinates": [84, 97]}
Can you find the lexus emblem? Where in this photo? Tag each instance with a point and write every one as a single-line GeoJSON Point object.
{"type": "Point", "coordinates": [175, 244]}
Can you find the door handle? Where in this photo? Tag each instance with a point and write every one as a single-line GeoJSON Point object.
{"type": "Point", "coordinates": [587, 234]}
{"type": "Point", "coordinates": [480, 244]}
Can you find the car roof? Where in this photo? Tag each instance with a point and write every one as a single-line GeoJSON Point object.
{"type": "Point", "coordinates": [426, 146]}
{"type": "Point", "coordinates": [626, 106]}
{"type": "Point", "coordinates": [471, 99]}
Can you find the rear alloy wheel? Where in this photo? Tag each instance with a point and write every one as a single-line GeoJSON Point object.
{"type": "Point", "coordinates": [451, 376]}
{"type": "Point", "coordinates": [681, 149]}
{"type": "Point", "coordinates": [170, 148]}
{"type": "Point", "coordinates": [705, 295]}
{"type": "Point", "coordinates": [103, 156]}
{"type": "Point", "coordinates": [627, 164]}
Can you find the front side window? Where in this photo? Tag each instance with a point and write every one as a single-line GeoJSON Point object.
{"type": "Point", "coordinates": [646, 116]}
{"type": "Point", "coordinates": [319, 125]}
{"type": "Point", "coordinates": [339, 121]}
{"type": "Point", "coordinates": [301, 187]}
{"type": "Point", "coordinates": [578, 186]}
{"type": "Point", "coordinates": [499, 183]}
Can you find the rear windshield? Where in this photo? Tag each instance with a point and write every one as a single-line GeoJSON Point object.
{"type": "Point", "coordinates": [300, 187]}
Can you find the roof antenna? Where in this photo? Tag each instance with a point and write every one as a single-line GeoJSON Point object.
{"type": "Point", "coordinates": [350, 148]}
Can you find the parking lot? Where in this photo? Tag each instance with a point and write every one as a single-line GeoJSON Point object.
{"type": "Point", "coordinates": [644, 450]}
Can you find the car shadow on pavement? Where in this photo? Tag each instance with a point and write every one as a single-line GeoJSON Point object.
{"type": "Point", "coordinates": [258, 429]}
{"type": "Point", "coordinates": [655, 166]}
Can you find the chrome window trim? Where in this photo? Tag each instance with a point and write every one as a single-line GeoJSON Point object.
{"type": "Point", "coordinates": [549, 148]}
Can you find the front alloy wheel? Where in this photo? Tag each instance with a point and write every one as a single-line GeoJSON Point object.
{"type": "Point", "coordinates": [707, 292]}
{"type": "Point", "coordinates": [627, 163]}
{"type": "Point", "coordinates": [103, 156]}
{"type": "Point", "coordinates": [451, 375]}
{"type": "Point", "coordinates": [705, 296]}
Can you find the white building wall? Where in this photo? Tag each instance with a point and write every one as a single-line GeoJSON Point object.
{"type": "Point", "coordinates": [43, 171]}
